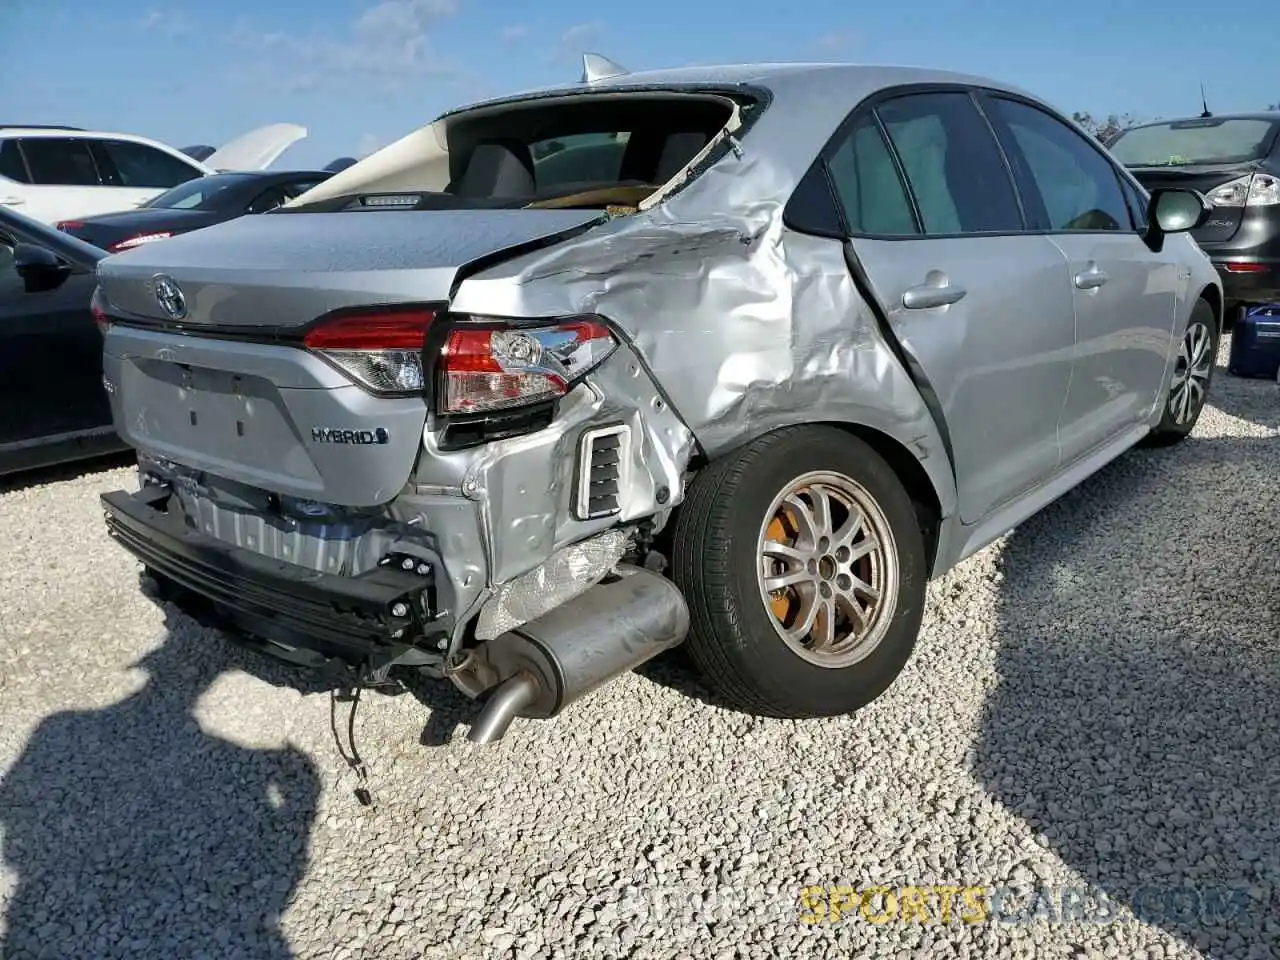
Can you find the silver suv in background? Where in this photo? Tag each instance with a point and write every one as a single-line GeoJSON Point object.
{"type": "Point", "coordinates": [747, 354]}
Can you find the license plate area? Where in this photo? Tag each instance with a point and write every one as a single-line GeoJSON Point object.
{"type": "Point", "coordinates": [215, 416]}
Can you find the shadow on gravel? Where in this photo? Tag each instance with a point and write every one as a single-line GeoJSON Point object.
{"type": "Point", "coordinates": [675, 669]}
{"type": "Point", "coordinates": [133, 832]}
{"type": "Point", "coordinates": [1136, 725]}
{"type": "Point", "coordinates": [63, 472]}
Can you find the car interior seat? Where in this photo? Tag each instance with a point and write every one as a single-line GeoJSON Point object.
{"type": "Point", "coordinates": [497, 169]}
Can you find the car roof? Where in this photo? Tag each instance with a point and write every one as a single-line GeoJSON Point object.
{"type": "Point", "coordinates": [72, 133]}
{"type": "Point", "coordinates": [799, 79]}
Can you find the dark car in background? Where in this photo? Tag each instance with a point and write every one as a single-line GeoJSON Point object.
{"type": "Point", "coordinates": [54, 405]}
{"type": "Point", "coordinates": [1234, 160]}
{"type": "Point", "coordinates": [192, 205]}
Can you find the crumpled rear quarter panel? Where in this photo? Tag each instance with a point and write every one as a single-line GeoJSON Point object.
{"type": "Point", "coordinates": [747, 325]}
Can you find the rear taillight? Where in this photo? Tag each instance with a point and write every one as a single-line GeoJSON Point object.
{"type": "Point", "coordinates": [381, 351]}
{"type": "Point", "coordinates": [66, 226]}
{"type": "Point", "coordinates": [1251, 190]}
{"type": "Point", "coordinates": [139, 240]}
{"type": "Point", "coordinates": [489, 365]}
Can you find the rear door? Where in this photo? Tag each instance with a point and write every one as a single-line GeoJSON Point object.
{"type": "Point", "coordinates": [14, 176]}
{"type": "Point", "coordinates": [981, 306]}
{"type": "Point", "coordinates": [1125, 295]}
{"type": "Point", "coordinates": [64, 180]}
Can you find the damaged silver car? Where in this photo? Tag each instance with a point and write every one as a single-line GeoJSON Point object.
{"type": "Point", "coordinates": [742, 355]}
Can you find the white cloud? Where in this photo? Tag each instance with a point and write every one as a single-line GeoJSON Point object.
{"type": "Point", "coordinates": [172, 23]}
{"type": "Point", "coordinates": [835, 42]}
{"type": "Point", "coordinates": [575, 41]}
{"type": "Point", "coordinates": [389, 42]}
{"type": "Point", "coordinates": [369, 143]}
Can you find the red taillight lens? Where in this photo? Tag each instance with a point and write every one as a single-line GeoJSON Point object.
{"type": "Point", "coordinates": [68, 225]}
{"type": "Point", "coordinates": [491, 367]}
{"type": "Point", "coordinates": [139, 240]}
{"type": "Point", "coordinates": [381, 351]}
{"type": "Point", "coordinates": [1245, 267]}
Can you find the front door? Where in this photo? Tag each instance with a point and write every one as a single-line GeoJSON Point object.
{"type": "Point", "coordinates": [982, 307]}
{"type": "Point", "coordinates": [1125, 295]}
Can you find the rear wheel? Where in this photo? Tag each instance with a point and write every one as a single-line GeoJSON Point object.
{"type": "Point", "coordinates": [804, 566]}
{"type": "Point", "coordinates": [1192, 374]}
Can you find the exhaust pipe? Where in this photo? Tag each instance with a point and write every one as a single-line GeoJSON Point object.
{"type": "Point", "coordinates": [550, 662]}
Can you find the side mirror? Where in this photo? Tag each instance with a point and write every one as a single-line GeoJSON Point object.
{"type": "Point", "coordinates": [39, 267]}
{"type": "Point", "coordinates": [1174, 211]}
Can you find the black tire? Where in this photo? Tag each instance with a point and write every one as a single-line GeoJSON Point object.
{"type": "Point", "coordinates": [1171, 428]}
{"type": "Point", "coordinates": [716, 559]}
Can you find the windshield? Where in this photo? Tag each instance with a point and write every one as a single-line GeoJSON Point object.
{"type": "Point", "coordinates": [1186, 142]}
{"type": "Point", "coordinates": [196, 193]}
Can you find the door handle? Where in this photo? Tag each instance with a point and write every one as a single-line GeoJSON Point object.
{"type": "Point", "coordinates": [12, 201]}
{"type": "Point", "coordinates": [1090, 279]}
{"type": "Point", "coordinates": [929, 295]}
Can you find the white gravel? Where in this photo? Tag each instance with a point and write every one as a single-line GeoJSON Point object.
{"type": "Point", "coordinates": [1095, 701]}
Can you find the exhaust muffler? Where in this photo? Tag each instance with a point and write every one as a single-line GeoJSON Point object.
{"type": "Point", "coordinates": [550, 662]}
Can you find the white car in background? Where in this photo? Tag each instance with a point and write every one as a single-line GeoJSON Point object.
{"type": "Point", "coordinates": [53, 173]}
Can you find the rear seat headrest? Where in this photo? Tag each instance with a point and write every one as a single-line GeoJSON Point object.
{"type": "Point", "coordinates": [496, 169]}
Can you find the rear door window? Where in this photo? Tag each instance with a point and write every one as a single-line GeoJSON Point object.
{"type": "Point", "coordinates": [953, 164]}
{"type": "Point", "coordinates": [867, 184]}
{"type": "Point", "coordinates": [138, 165]}
{"type": "Point", "coordinates": [12, 166]}
{"type": "Point", "coordinates": [60, 162]}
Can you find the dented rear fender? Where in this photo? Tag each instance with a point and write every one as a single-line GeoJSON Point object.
{"type": "Point", "coordinates": [747, 326]}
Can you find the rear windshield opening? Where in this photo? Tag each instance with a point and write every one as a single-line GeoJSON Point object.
{"type": "Point", "coordinates": [593, 151]}
{"type": "Point", "coordinates": [1189, 142]}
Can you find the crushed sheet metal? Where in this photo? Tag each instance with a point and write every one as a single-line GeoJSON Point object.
{"type": "Point", "coordinates": [566, 574]}
{"type": "Point", "coordinates": [747, 325]}
{"type": "Point", "coordinates": [524, 485]}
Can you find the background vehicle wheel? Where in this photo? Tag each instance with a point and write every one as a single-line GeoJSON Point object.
{"type": "Point", "coordinates": [1192, 374]}
{"type": "Point", "coordinates": [803, 563]}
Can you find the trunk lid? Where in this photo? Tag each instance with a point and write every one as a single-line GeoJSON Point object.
{"type": "Point", "coordinates": [108, 228]}
{"type": "Point", "coordinates": [278, 271]}
{"type": "Point", "coordinates": [1225, 221]}
{"type": "Point", "coordinates": [245, 406]}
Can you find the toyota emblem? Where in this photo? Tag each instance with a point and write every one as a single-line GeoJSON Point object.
{"type": "Point", "coordinates": [169, 296]}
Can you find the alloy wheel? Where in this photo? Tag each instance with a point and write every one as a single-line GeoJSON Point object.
{"type": "Point", "coordinates": [828, 570]}
{"type": "Point", "coordinates": [1191, 374]}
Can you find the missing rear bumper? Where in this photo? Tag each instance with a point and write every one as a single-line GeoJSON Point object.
{"type": "Point", "coordinates": [353, 619]}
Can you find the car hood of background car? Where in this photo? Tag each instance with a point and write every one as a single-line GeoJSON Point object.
{"type": "Point", "coordinates": [284, 270]}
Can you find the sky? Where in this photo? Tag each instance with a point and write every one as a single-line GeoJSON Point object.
{"type": "Point", "coordinates": [361, 73]}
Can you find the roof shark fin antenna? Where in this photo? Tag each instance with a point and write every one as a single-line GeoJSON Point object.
{"type": "Point", "coordinates": [596, 67]}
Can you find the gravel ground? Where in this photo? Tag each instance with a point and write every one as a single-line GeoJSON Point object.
{"type": "Point", "coordinates": [1093, 705]}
